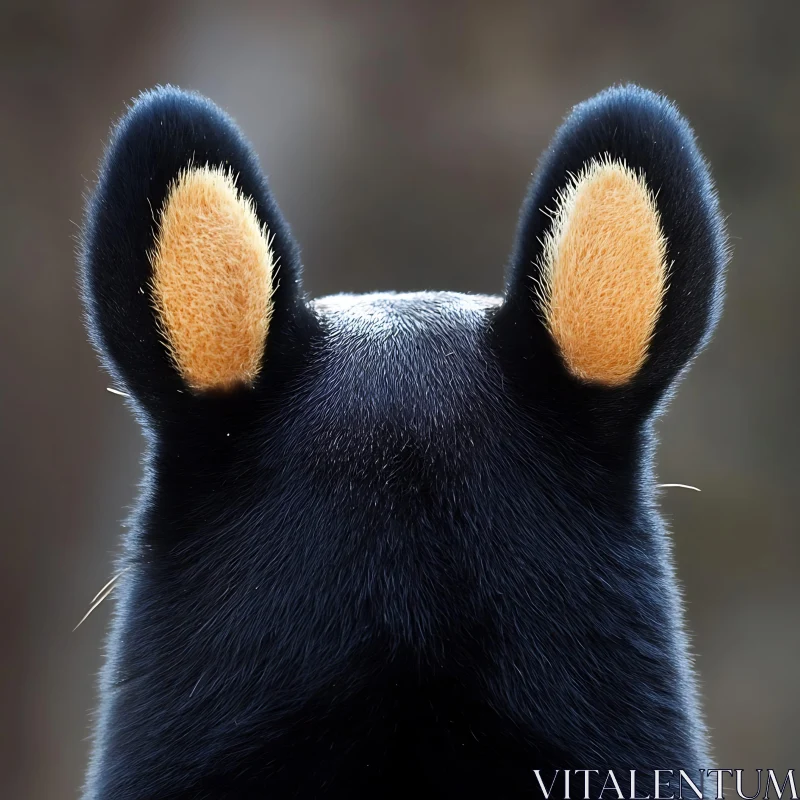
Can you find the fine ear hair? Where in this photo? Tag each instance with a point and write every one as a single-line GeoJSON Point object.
{"type": "Point", "coordinates": [188, 268]}
{"type": "Point", "coordinates": [616, 279]}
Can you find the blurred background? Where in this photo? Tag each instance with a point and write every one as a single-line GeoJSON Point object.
{"type": "Point", "coordinates": [399, 138]}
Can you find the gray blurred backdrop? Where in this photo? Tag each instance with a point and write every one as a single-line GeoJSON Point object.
{"type": "Point", "coordinates": [399, 138]}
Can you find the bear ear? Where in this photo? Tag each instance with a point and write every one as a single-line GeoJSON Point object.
{"type": "Point", "coordinates": [188, 269]}
{"type": "Point", "coordinates": [618, 266]}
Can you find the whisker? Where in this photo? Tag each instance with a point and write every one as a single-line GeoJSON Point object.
{"type": "Point", "coordinates": [677, 486]}
{"type": "Point", "coordinates": [95, 604]}
{"type": "Point", "coordinates": [117, 391]}
{"type": "Point", "coordinates": [113, 580]}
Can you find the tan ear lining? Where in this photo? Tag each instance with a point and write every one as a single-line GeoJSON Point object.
{"type": "Point", "coordinates": [212, 280]}
{"type": "Point", "coordinates": [604, 272]}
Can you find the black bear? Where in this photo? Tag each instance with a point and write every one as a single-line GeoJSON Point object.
{"type": "Point", "coordinates": [397, 545]}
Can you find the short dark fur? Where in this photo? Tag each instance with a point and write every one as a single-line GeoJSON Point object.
{"type": "Point", "coordinates": [417, 558]}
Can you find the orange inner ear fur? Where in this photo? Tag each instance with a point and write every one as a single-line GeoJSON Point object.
{"type": "Point", "coordinates": [604, 272]}
{"type": "Point", "coordinates": [212, 280]}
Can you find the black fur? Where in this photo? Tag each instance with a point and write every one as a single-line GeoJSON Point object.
{"type": "Point", "coordinates": [417, 558]}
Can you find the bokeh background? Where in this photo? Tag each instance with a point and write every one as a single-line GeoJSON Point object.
{"type": "Point", "coordinates": [399, 138]}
